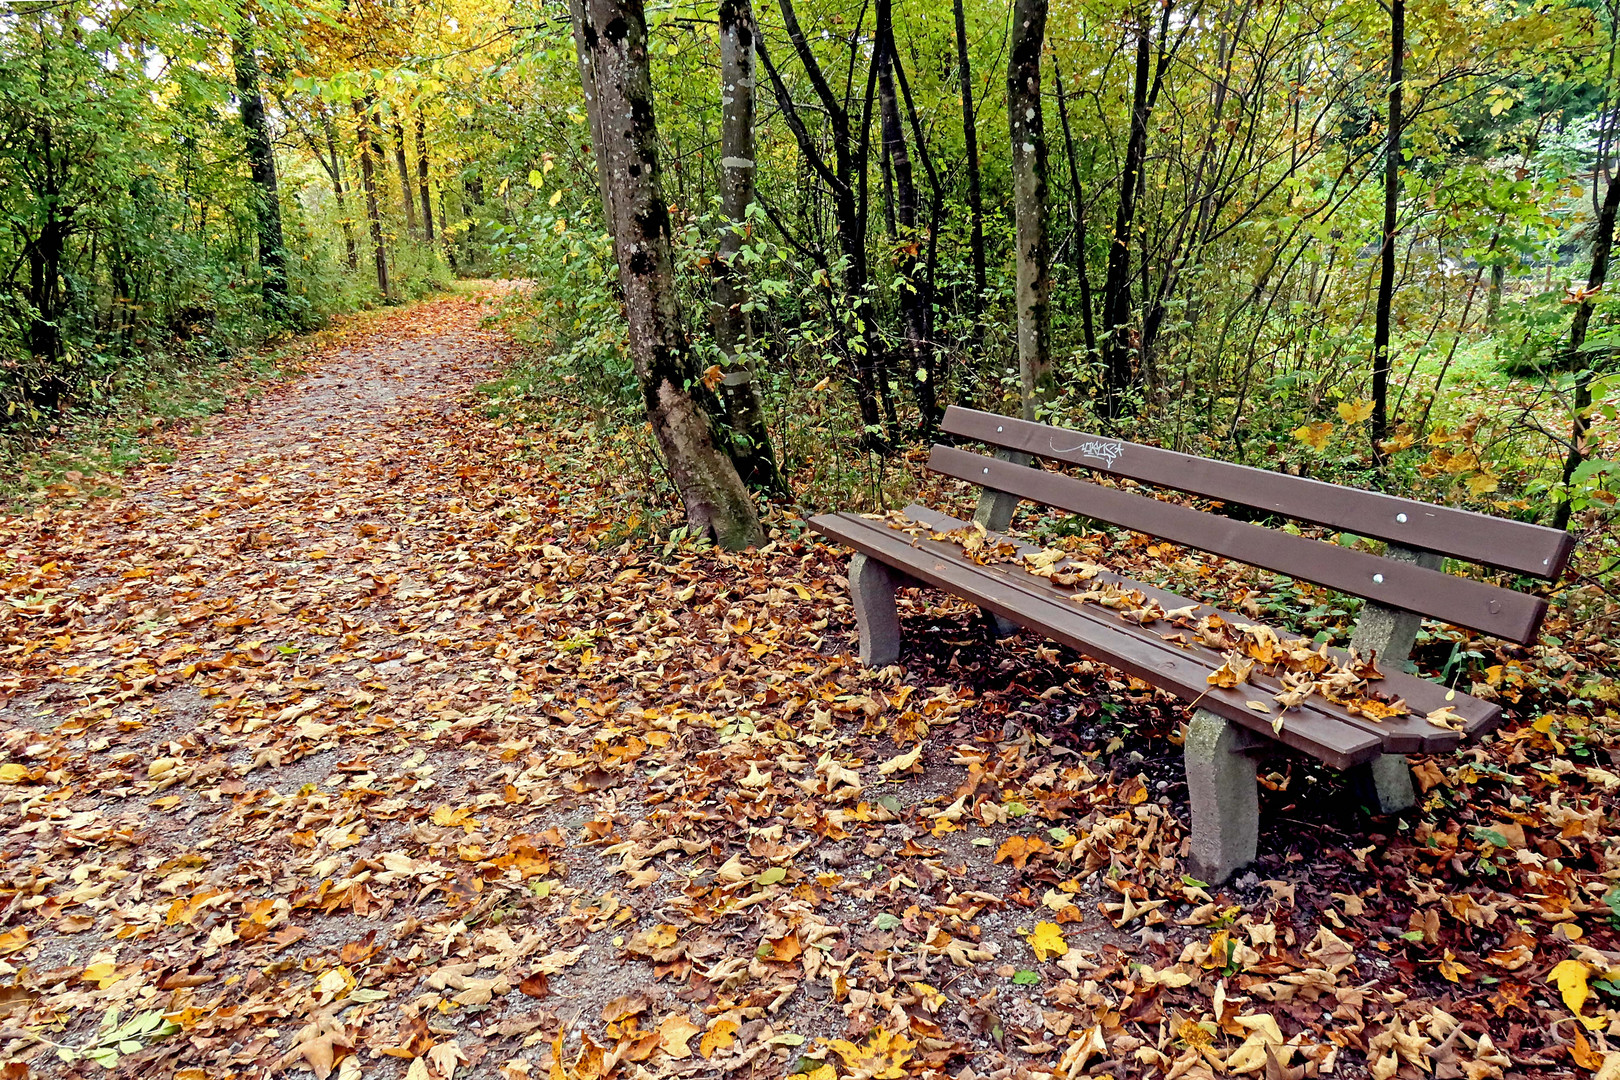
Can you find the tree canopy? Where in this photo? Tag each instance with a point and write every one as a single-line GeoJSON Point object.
{"type": "Point", "coordinates": [1242, 257]}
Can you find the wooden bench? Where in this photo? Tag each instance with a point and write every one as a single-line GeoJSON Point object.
{"type": "Point", "coordinates": [1230, 723]}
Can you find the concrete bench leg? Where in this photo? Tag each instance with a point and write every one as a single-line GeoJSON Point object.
{"type": "Point", "coordinates": [871, 587]}
{"type": "Point", "coordinates": [1225, 796]}
{"type": "Point", "coordinates": [1385, 784]}
{"type": "Point", "coordinates": [995, 512]}
{"type": "Point", "coordinates": [1005, 628]}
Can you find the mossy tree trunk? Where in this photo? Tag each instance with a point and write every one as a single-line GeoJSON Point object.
{"type": "Point", "coordinates": [612, 36]}
{"type": "Point", "coordinates": [1029, 158]}
{"type": "Point", "coordinates": [750, 447]}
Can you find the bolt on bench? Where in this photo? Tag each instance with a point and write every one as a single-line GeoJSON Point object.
{"type": "Point", "coordinates": [1253, 687]}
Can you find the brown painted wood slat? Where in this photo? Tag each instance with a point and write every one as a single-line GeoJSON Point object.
{"type": "Point", "coordinates": [1462, 534]}
{"type": "Point", "coordinates": [1474, 604]}
{"type": "Point", "coordinates": [1329, 738]}
{"type": "Point", "coordinates": [1401, 735]}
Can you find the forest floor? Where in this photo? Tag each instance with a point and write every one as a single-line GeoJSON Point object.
{"type": "Point", "coordinates": [355, 739]}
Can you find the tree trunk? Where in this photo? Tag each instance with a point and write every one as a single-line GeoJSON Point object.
{"type": "Point", "coordinates": [1493, 296]}
{"type": "Point", "coordinates": [614, 33]}
{"type": "Point", "coordinates": [377, 130]}
{"type": "Point", "coordinates": [925, 274]}
{"type": "Point", "coordinates": [368, 182]}
{"type": "Point", "coordinates": [914, 299]}
{"type": "Point", "coordinates": [1028, 130]}
{"type": "Point", "coordinates": [1117, 287]}
{"type": "Point", "coordinates": [402, 162]}
{"type": "Point", "coordinates": [1386, 264]}
{"type": "Point", "coordinates": [970, 136]}
{"type": "Point", "coordinates": [350, 248]}
{"type": "Point", "coordinates": [750, 444]}
{"type": "Point", "coordinates": [422, 176]}
{"type": "Point", "coordinates": [262, 165]}
{"type": "Point", "coordinates": [845, 178]}
{"type": "Point", "coordinates": [1077, 214]}
{"type": "Point", "coordinates": [46, 303]}
{"type": "Point", "coordinates": [1602, 248]}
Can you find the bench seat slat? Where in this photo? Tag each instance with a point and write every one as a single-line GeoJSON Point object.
{"type": "Point", "coordinates": [1492, 541]}
{"type": "Point", "coordinates": [1400, 735]}
{"type": "Point", "coordinates": [1329, 738]}
{"type": "Point", "coordinates": [1507, 614]}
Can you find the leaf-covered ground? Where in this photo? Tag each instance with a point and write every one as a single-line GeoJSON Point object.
{"type": "Point", "coordinates": [355, 740]}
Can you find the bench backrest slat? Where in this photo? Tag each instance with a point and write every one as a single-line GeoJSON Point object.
{"type": "Point", "coordinates": [1407, 586]}
{"type": "Point", "coordinates": [1462, 534]}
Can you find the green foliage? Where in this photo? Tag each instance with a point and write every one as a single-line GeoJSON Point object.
{"type": "Point", "coordinates": [1252, 250]}
{"type": "Point", "coordinates": [127, 237]}
{"type": "Point", "coordinates": [115, 1040]}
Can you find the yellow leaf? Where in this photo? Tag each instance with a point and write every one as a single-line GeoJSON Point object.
{"type": "Point", "coordinates": [557, 1070]}
{"type": "Point", "coordinates": [103, 974]}
{"type": "Point", "coordinates": [535, 179]}
{"type": "Point", "coordinates": [1447, 717]}
{"type": "Point", "coordinates": [1047, 941]}
{"type": "Point", "coordinates": [1167, 977]}
{"type": "Point", "coordinates": [1235, 670]}
{"type": "Point", "coordinates": [1482, 482]}
{"type": "Point", "coordinates": [883, 1057]}
{"type": "Point", "coordinates": [719, 1037]}
{"type": "Point", "coordinates": [1570, 977]}
{"type": "Point", "coordinates": [1354, 412]}
{"type": "Point", "coordinates": [901, 763]}
{"type": "Point", "coordinates": [447, 815]}
{"type": "Point", "coordinates": [674, 1033]}
{"type": "Point", "coordinates": [1403, 439]}
{"type": "Point", "coordinates": [556, 197]}
{"type": "Point", "coordinates": [13, 773]}
{"type": "Point", "coordinates": [336, 980]}
{"type": "Point", "coordinates": [931, 997]}
{"type": "Point", "coordinates": [1460, 462]}
{"type": "Point", "coordinates": [1314, 436]}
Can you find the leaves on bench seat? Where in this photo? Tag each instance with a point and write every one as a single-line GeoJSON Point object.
{"type": "Point", "coordinates": [1447, 717]}
{"type": "Point", "coordinates": [1303, 667]}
